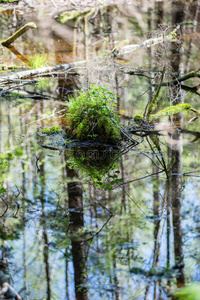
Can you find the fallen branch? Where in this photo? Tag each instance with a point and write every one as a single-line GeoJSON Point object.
{"type": "Point", "coordinates": [38, 72]}
{"type": "Point", "coordinates": [187, 76]}
{"type": "Point", "coordinates": [18, 33]}
{"type": "Point", "coordinates": [148, 43]}
{"type": "Point", "coordinates": [176, 81]}
{"type": "Point", "coordinates": [18, 54]}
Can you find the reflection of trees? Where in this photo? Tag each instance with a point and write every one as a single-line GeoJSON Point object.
{"type": "Point", "coordinates": [173, 185]}
{"type": "Point", "coordinates": [121, 236]}
{"type": "Point", "coordinates": [75, 205]}
{"type": "Point", "coordinates": [78, 244]}
{"type": "Point", "coordinates": [44, 234]}
{"type": "Point", "coordinates": [175, 153]}
{"type": "Point", "coordinates": [6, 290]}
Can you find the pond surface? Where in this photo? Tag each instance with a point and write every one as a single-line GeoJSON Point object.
{"type": "Point", "coordinates": [135, 234]}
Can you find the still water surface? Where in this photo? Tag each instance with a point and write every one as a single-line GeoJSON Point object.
{"type": "Point", "coordinates": [61, 236]}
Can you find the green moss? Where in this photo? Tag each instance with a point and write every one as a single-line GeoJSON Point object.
{"type": "Point", "coordinates": [91, 118]}
{"type": "Point", "coordinates": [49, 130]}
{"type": "Point", "coordinates": [67, 16]}
{"type": "Point", "coordinates": [108, 130]}
{"type": "Point", "coordinates": [138, 119]}
{"type": "Point", "coordinates": [45, 130]}
{"type": "Point", "coordinates": [172, 110]}
{"type": "Point", "coordinates": [55, 129]}
{"type": "Point", "coordinates": [82, 130]}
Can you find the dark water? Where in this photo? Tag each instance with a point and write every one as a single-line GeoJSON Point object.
{"type": "Point", "coordinates": [61, 236]}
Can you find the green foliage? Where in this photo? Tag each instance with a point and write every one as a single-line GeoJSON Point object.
{"type": "Point", "coordinates": [110, 181]}
{"type": "Point", "coordinates": [50, 130]}
{"type": "Point", "coordinates": [190, 292]}
{"type": "Point", "coordinates": [172, 110]}
{"type": "Point", "coordinates": [38, 60]}
{"type": "Point", "coordinates": [18, 152]}
{"type": "Point", "coordinates": [4, 162]}
{"type": "Point", "coordinates": [4, 159]}
{"type": "Point", "coordinates": [91, 118]}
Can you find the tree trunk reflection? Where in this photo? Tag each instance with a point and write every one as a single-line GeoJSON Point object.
{"type": "Point", "coordinates": [78, 246]}
{"type": "Point", "coordinates": [44, 232]}
{"type": "Point", "coordinates": [175, 150]}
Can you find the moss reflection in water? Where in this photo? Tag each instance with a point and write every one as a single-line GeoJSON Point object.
{"type": "Point", "coordinates": [95, 162]}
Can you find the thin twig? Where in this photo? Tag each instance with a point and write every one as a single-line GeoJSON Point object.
{"type": "Point", "coordinates": [6, 207]}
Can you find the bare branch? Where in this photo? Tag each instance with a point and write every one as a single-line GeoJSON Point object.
{"type": "Point", "coordinates": [5, 209]}
{"type": "Point", "coordinates": [37, 72]}
{"type": "Point", "coordinates": [18, 33]}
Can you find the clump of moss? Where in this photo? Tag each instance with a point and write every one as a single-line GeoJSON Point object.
{"type": "Point", "coordinates": [138, 119]}
{"type": "Point", "coordinates": [107, 129]}
{"type": "Point", "coordinates": [82, 129]}
{"type": "Point", "coordinates": [89, 116]}
{"type": "Point", "coordinates": [49, 130]}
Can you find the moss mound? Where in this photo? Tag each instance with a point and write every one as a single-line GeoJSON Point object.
{"type": "Point", "coordinates": [90, 117]}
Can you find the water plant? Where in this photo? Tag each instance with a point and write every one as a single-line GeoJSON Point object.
{"type": "Point", "coordinates": [38, 60]}
{"type": "Point", "coordinates": [4, 163]}
{"type": "Point", "coordinates": [90, 116]}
